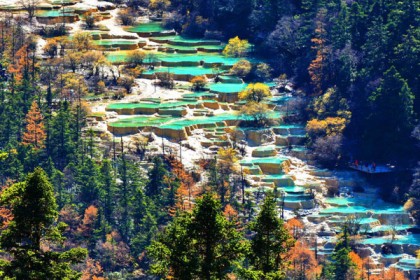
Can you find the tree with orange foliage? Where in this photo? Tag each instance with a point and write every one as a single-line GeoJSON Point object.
{"type": "Point", "coordinates": [230, 213]}
{"type": "Point", "coordinates": [71, 218]}
{"type": "Point", "coordinates": [356, 271]}
{"type": "Point", "coordinates": [295, 227]}
{"type": "Point", "coordinates": [185, 192]}
{"type": "Point", "coordinates": [316, 67]}
{"type": "Point", "coordinates": [394, 274]}
{"type": "Point", "coordinates": [88, 223]}
{"type": "Point", "coordinates": [5, 213]}
{"type": "Point", "coordinates": [389, 274]}
{"type": "Point", "coordinates": [115, 253]}
{"type": "Point", "coordinates": [303, 264]}
{"type": "Point", "coordinates": [34, 134]}
{"type": "Point", "coordinates": [92, 271]}
{"type": "Point", "coordinates": [23, 64]}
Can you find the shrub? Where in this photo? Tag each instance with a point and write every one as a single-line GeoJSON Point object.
{"type": "Point", "coordinates": [196, 26]}
{"type": "Point", "coordinates": [258, 112]}
{"type": "Point", "coordinates": [159, 6]}
{"type": "Point", "coordinates": [127, 82]}
{"type": "Point", "coordinates": [100, 87]}
{"type": "Point", "coordinates": [328, 149]}
{"type": "Point", "coordinates": [255, 92]}
{"type": "Point", "coordinates": [166, 79]}
{"type": "Point", "coordinates": [90, 21]}
{"type": "Point", "coordinates": [241, 68]}
{"type": "Point", "coordinates": [236, 47]}
{"type": "Point", "coordinates": [119, 94]}
{"type": "Point", "coordinates": [327, 127]}
{"type": "Point", "coordinates": [198, 83]}
{"type": "Point", "coordinates": [332, 191]}
{"type": "Point", "coordinates": [136, 58]}
{"type": "Point", "coordinates": [125, 17]}
{"type": "Point", "coordinates": [51, 48]}
{"type": "Point", "coordinates": [173, 21]}
{"type": "Point", "coordinates": [263, 72]}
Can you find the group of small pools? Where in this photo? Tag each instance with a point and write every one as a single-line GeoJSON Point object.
{"type": "Point", "coordinates": [189, 57]}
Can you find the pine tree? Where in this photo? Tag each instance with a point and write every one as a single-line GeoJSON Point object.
{"type": "Point", "coordinates": [34, 134]}
{"type": "Point", "coordinates": [34, 217]}
{"type": "Point", "coordinates": [341, 264]}
{"type": "Point", "coordinates": [200, 245]}
{"type": "Point", "coordinates": [391, 119]}
{"type": "Point", "coordinates": [156, 175]}
{"type": "Point", "coordinates": [107, 191]}
{"type": "Point", "coordinates": [270, 242]}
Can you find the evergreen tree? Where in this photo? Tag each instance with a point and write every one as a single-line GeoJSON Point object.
{"type": "Point", "coordinates": [391, 119]}
{"type": "Point", "coordinates": [341, 265]}
{"type": "Point", "coordinates": [200, 245]}
{"type": "Point", "coordinates": [270, 242]}
{"type": "Point", "coordinates": [156, 176]}
{"type": "Point", "coordinates": [144, 220]}
{"type": "Point", "coordinates": [107, 191]}
{"type": "Point", "coordinates": [34, 222]}
{"type": "Point", "coordinates": [87, 180]}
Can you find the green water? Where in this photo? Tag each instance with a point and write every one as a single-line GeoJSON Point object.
{"type": "Point", "coordinates": [55, 13]}
{"type": "Point", "coordinates": [140, 122]}
{"type": "Point", "coordinates": [181, 123]}
{"type": "Point", "coordinates": [273, 160]}
{"type": "Point", "coordinates": [165, 105]}
{"type": "Point", "coordinates": [193, 48]}
{"type": "Point", "coordinates": [413, 239]}
{"type": "Point", "coordinates": [112, 42]}
{"type": "Point", "coordinates": [208, 58]}
{"type": "Point", "coordinates": [193, 71]}
{"type": "Point", "coordinates": [227, 87]}
{"type": "Point", "coordinates": [146, 27]}
{"type": "Point", "coordinates": [387, 228]}
{"type": "Point", "coordinates": [293, 189]}
{"type": "Point", "coordinates": [201, 94]}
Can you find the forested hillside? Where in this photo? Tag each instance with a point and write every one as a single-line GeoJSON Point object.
{"type": "Point", "coordinates": [209, 139]}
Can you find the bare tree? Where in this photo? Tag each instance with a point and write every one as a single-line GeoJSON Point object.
{"type": "Point", "coordinates": [30, 7]}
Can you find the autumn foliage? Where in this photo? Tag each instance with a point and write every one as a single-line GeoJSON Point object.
{"type": "Point", "coordinates": [316, 68]}
{"type": "Point", "coordinates": [34, 134]}
{"type": "Point", "coordinates": [303, 264]}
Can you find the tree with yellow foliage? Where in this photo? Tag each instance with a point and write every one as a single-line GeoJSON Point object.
{"type": "Point", "coordinates": [226, 167]}
{"type": "Point", "coordinates": [255, 92]}
{"type": "Point", "coordinates": [51, 47]}
{"type": "Point", "coordinates": [328, 127]}
{"type": "Point", "coordinates": [257, 112]}
{"type": "Point", "coordinates": [34, 134]}
{"type": "Point", "coordinates": [82, 42]}
{"type": "Point", "coordinates": [74, 86]}
{"type": "Point", "coordinates": [394, 274]}
{"type": "Point", "coordinates": [236, 47]}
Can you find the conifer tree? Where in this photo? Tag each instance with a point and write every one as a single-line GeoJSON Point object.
{"type": "Point", "coordinates": [35, 215]}
{"type": "Point", "coordinates": [270, 242]}
{"type": "Point", "coordinates": [200, 245]}
{"type": "Point", "coordinates": [34, 134]}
